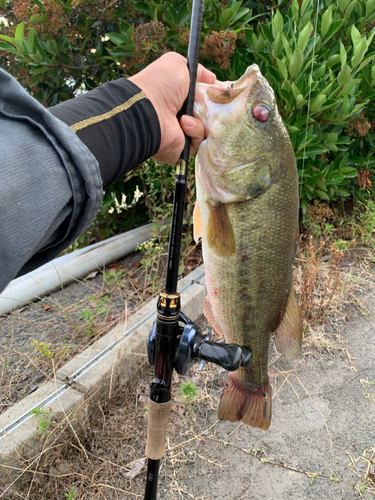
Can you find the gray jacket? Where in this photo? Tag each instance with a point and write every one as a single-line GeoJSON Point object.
{"type": "Point", "coordinates": [50, 183]}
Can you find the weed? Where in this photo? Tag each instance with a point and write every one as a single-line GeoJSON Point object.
{"type": "Point", "coordinates": [37, 412]}
{"type": "Point", "coordinates": [187, 392]}
{"type": "Point", "coordinates": [152, 252]}
{"type": "Point", "coordinates": [43, 348]}
{"type": "Point", "coordinates": [333, 478]}
{"type": "Point", "coordinates": [71, 494]}
{"type": "Point", "coordinates": [313, 477]}
{"type": "Point", "coordinates": [87, 315]}
{"type": "Point", "coordinates": [44, 423]}
{"type": "Point", "coordinates": [43, 426]}
{"type": "Point", "coordinates": [114, 277]}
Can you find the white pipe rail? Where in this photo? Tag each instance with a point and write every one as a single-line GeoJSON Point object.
{"type": "Point", "coordinates": [62, 270]}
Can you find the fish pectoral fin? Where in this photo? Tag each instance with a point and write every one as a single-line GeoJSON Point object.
{"type": "Point", "coordinates": [207, 311]}
{"type": "Point", "coordinates": [219, 234]}
{"type": "Point", "coordinates": [197, 222]}
{"type": "Point", "coordinates": [288, 335]}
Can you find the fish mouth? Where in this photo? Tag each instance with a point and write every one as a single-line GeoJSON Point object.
{"type": "Point", "coordinates": [224, 92]}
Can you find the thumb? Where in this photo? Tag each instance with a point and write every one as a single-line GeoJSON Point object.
{"type": "Point", "coordinates": [194, 128]}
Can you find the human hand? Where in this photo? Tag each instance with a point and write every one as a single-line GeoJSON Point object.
{"type": "Point", "coordinates": [166, 83]}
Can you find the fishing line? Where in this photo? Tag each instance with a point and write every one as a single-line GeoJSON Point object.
{"type": "Point", "coordinates": [309, 99]}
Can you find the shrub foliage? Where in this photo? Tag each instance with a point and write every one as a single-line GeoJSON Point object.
{"type": "Point", "coordinates": [317, 56]}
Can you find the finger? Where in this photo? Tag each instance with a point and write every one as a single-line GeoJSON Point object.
{"type": "Point", "coordinates": [204, 75]}
{"type": "Point", "coordinates": [194, 128]}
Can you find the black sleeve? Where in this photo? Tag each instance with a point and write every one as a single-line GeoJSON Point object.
{"type": "Point", "coordinates": [117, 123]}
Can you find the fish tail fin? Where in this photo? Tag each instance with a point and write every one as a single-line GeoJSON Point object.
{"type": "Point", "coordinates": [245, 402]}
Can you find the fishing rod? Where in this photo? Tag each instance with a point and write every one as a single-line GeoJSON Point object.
{"type": "Point", "coordinates": [175, 342]}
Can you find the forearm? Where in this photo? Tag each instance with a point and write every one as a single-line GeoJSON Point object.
{"type": "Point", "coordinates": [117, 123]}
{"type": "Point", "coordinates": [50, 185]}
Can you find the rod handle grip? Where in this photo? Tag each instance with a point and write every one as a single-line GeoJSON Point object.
{"type": "Point", "coordinates": [158, 414]}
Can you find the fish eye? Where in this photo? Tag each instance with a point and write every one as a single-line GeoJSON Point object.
{"type": "Point", "coordinates": [261, 112]}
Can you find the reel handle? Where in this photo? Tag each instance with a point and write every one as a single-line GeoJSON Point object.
{"type": "Point", "coordinates": [228, 356]}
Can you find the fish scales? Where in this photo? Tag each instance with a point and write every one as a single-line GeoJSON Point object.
{"type": "Point", "coordinates": [247, 215]}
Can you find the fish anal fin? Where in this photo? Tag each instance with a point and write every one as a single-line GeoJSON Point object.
{"type": "Point", "coordinates": [207, 311]}
{"type": "Point", "coordinates": [220, 235]}
{"type": "Point", "coordinates": [288, 335]}
{"type": "Point", "coordinates": [197, 222]}
{"type": "Point", "coordinates": [244, 402]}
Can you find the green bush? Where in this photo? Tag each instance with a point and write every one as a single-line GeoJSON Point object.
{"type": "Point", "coordinates": [320, 64]}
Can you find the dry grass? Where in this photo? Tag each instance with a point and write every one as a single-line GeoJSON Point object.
{"type": "Point", "coordinates": [332, 285]}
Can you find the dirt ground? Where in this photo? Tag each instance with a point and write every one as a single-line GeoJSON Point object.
{"type": "Point", "coordinates": [320, 444]}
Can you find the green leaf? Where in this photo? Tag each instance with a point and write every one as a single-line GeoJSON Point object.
{"type": "Point", "coordinates": [322, 194]}
{"type": "Point", "coordinates": [356, 36]}
{"type": "Point", "coordinates": [19, 32]}
{"type": "Point", "coordinates": [333, 60]}
{"type": "Point", "coordinates": [296, 62]}
{"type": "Point", "coordinates": [116, 38]}
{"type": "Point", "coordinates": [304, 36]}
{"type": "Point", "coordinates": [331, 137]}
{"type": "Point", "coordinates": [311, 151]}
{"type": "Point", "coordinates": [30, 40]}
{"type": "Point", "coordinates": [332, 30]}
{"type": "Point", "coordinates": [343, 56]}
{"type": "Point", "coordinates": [8, 48]}
{"type": "Point", "coordinates": [326, 21]}
{"type": "Point", "coordinates": [295, 9]}
{"type": "Point", "coordinates": [288, 50]}
{"type": "Point", "coordinates": [35, 18]}
{"type": "Point", "coordinates": [39, 71]}
{"type": "Point", "coordinates": [296, 91]}
{"type": "Point", "coordinates": [331, 146]}
{"type": "Point", "coordinates": [282, 68]}
{"type": "Point", "coordinates": [52, 45]}
{"type": "Point", "coordinates": [318, 102]}
{"type": "Point", "coordinates": [300, 100]}
{"type": "Point", "coordinates": [344, 75]}
{"type": "Point", "coordinates": [286, 86]}
{"type": "Point", "coordinates": [277, 23]}
{"type": "Point", "coordinates": [370, 6]}
{"type": "Point", "coordinates": [348, 171]}
{"type": "Point", "coordinates": [348, 87]}
{"type": "Point", "coordinates": [365, 62]}
{"type": "Point", "coordinates": [349, 9]}
{"type": "Point", "coordinates": [304, 6]}
{"type": "Point", "coordinates": [277, 45]}
{"type": "Point", "coordinates": [37, 57]}
{"type": "Point", "coordinates": [321, 186]}
{"type": "Point", "coordinates": [343, 4]}
{"type": "Point", "coordinates": [359, 52]}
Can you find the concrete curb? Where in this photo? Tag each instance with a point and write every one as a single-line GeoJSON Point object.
{"type": "Point", "coordinates": [87, 379]}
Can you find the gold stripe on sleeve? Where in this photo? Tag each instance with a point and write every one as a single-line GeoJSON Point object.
{"type": "Point", "coordinates": [105, 116]}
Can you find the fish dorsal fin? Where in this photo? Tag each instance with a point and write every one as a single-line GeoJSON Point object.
{"type": "Point", "coordinates": [197, 222]}
{"type": "Point", "coordinates": [207, 311]}
{"type": "Point", "coordinates": [288, 335]}
{"type": "Point", "coordinates": [219, 234]}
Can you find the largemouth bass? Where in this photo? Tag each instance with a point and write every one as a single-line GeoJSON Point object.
{"type": "Point", "coordinates": [247, 214]}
